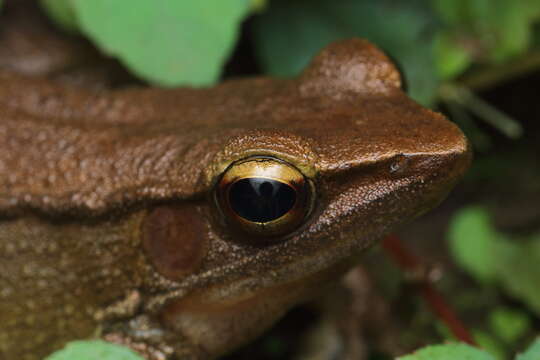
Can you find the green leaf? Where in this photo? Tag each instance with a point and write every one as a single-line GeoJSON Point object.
{"type": "Point", "coordinates": [533, 8]}
{"type": "Point", "coordinates": [61, 12]}
{"type": "Point", "coordinates": [290, 33]}
{"type": "Point", "coordinates": [518, 270]}
{"type": "Point", "coordinates": [450, 11]}
{"type": "Point", "coordinates": [451, 58]}
{"type": "Point", "coordinates": [492, 257]}
{"type": "Point", "coordinates": [258, 5]}
{"type": "Point", "coordinates": [533, 353]}
{"type": "Point", "coordinates": [166, 42]}
{"type": "Point", "coordinates": [512, 28]}
{"type": "Point", "coordinates": [497, 29]}
{"type": "Point", "coordinates": [92, 350]}
{"type": "Point", "coordinates": [472, 243]}
{"type": "Point", "coordinates": [489, 343]}
{"type": "Point", "coordinates": [509, 324]}
{"type": "Point", "coordinates": [448, 352]}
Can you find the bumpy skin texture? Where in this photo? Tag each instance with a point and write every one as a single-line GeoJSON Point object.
{"type": "Point", "coordinates": [108, 226]}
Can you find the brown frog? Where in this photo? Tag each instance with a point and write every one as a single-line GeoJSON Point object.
{"type": "Point", "coordinates": [184, 222]}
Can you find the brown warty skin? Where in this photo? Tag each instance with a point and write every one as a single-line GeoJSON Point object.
{"type": "Point", "coordinates": [109, 224]}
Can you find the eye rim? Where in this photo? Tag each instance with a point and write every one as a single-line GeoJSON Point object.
{"type": "Point", "coordinates": [264, 166]}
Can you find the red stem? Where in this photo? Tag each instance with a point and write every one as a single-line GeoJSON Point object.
{"type": "Point", "coordinates": [410, 263]}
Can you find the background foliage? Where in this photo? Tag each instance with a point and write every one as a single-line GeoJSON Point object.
{"type": "Point", "coordinates": [456, 55]}
{"type": "Point", "coordinates": [92, 350]}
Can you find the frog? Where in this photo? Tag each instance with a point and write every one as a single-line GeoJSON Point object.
{"type": "Point", "coordinates": [182, 223]}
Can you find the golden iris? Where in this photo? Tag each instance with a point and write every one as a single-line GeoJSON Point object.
{"type": "Point", "coordinates": [264, 196]}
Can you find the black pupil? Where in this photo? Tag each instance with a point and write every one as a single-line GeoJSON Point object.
{"type": "Point", "coordinates": [261, 199]}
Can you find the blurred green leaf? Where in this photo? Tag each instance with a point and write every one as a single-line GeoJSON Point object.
{"type": "Point", "coordinates": [533, 353]}
{"type": "Point", "coordinates": [489, 343]}
{"type": "Point", "coordinates": [61, 12]}
{"type": "Point", "coordinates": [490, 30]}
{"type": "Point", "coordinates": [509, 324]}
{"type": "Point", "coordinates": [258, 5]}
{"type": "Point", "coordinates": [472, 243]}
{"type": "Point", "coordinates": [493, 257]}
{"type": "Point", "coordinates": [290, 33]}
{"type": "Point", "coordinates": [92, 350]}
{"type": "Point", "coordinates": [451, 58]}
{"type": "Point", "coordinates": [166, 42]}
{"type": "Point", "coordinates": [448, 352]}
{"type": "Point", "coordinates": [519, 270]}
{"type": "Point", "coordinates": [512, 28]}
{"type": "Point", "coordinates": [450, 11]}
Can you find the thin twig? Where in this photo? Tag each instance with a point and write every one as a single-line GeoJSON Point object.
{"type": "Point", "coordinates": [411, 264]}
{"type": "Point", "coordinates": [494, 75]}
{"type": "Point", "coordinates": [481, 108]}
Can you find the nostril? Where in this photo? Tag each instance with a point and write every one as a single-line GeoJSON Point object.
{"type": "Point", "coordinates": [400, 164]}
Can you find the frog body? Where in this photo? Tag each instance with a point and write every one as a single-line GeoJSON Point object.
{"type": "Point", "coordinates": [109, 223]}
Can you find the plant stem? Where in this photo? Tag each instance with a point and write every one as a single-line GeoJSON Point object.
{"type": "Point", "coordinates": [412, 265]}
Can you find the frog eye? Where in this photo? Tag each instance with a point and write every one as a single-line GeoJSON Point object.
{"type": "Point", "coordinates": [264, 196]}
